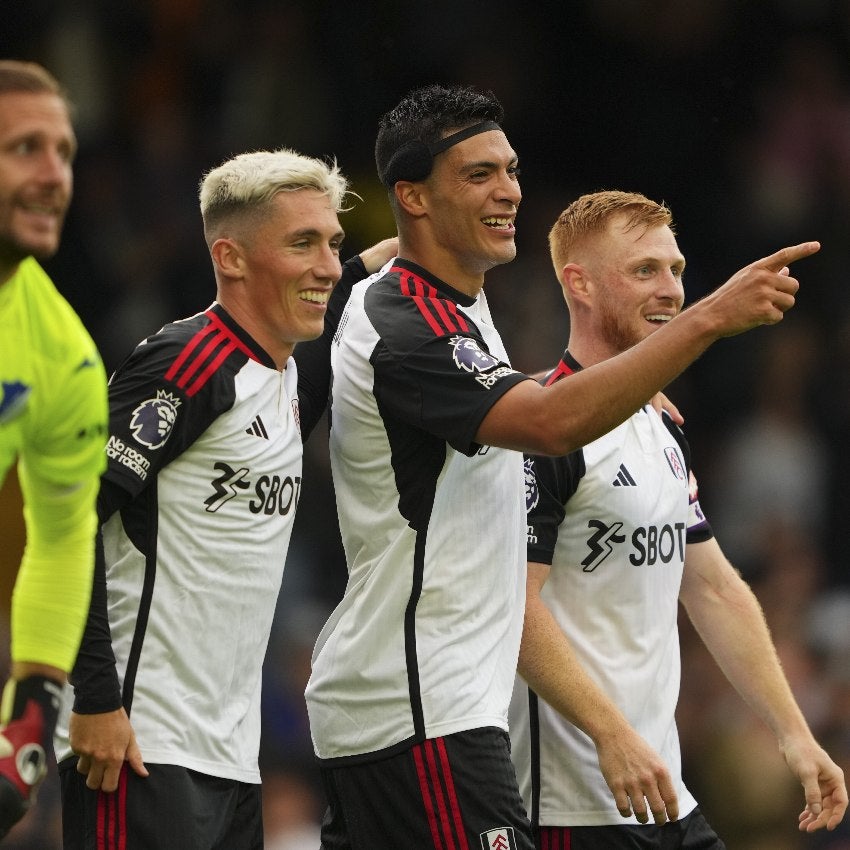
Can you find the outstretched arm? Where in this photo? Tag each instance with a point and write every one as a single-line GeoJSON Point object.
{"type": "Point", "coordinates": [729, 619]}
{"type": "Point", "coordinates": [634, 772]}
{"type": "Point", "coordinates": [558, 419]}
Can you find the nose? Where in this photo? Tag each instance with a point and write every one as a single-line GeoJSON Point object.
{"type": "Point", "coordinates": [509, 189]}
{"type": "Point", "coordinates": [54, 168]}
{"type": "Point", "coordinates": [328, 265]}
{"type": "Point", "coordinates": [671, 288]}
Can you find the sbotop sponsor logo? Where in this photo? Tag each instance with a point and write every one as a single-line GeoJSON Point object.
{"type": "Point", "coordinates": [648, 545]}
{"type": "Point", "coordinates": [269, 494]}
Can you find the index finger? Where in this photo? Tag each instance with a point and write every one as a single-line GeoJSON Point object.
{"type": "Point", "coordinates": [786, 256]}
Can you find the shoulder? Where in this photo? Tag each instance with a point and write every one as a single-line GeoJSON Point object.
{"type": "Point", "coordinates": [56, 330]}
{"type": "Point", "coordinates": [408, 310]}
{"type": "Point", "coordinates": [193, 353]}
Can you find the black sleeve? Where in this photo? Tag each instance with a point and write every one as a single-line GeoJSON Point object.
{"type": "Point", "coordinates": [94, 677]}
{"type": "Point", "coordinates": [550, 483]}
{"type": "Point", "coordinates": [132, 467]}
{"type": "Point", "coordinates": [313, 358]}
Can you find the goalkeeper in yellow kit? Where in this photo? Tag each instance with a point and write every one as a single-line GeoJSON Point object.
{"type": "Point", "coordinates": [53, 415]}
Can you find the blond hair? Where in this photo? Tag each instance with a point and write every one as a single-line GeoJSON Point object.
{"type": "Point", "coordinates": [248, 181]}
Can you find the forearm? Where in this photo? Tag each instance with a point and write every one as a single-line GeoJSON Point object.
{"type": "Point", "coordinates": [549, 665]}
{"type": "Point", "coordinates": [558, 419]}
{"type": "Point", "coordinates": [731, 623]}
{"type": "Point", "coordinates": [570, 414]}
{"type": "Point", "coordinates": [614, 389]}
{"type": "Point", "coordinates": [51, 596]}
{"type": "Point", "coordinates": [97, 688]}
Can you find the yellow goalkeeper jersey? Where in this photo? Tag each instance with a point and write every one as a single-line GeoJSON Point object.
{"type": "Point", "coordinates": [53, 422]}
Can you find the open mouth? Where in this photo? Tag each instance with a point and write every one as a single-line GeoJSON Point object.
{"type": "Point", "coordinates": [498, 222]}
{"type": "Point", "coordinates": [315, 296]}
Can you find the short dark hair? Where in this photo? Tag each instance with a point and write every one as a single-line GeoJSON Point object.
{"type": "Point", "coordinates": [420, 120]}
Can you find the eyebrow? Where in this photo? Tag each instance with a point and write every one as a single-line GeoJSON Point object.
{"type": "Point", "coordinates": [313, 233]}
{"type": "Point", "coordinates": [647, 260]}
{"type": "Point", "coordinates": [486, 163]}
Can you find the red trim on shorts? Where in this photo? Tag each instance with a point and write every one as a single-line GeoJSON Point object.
{"type": "Point", "coordinates": [555, 837]}
{"type": "Point", "coordinates": [111, 818]}
{"type": "Point", "coordinates": [439, 796]}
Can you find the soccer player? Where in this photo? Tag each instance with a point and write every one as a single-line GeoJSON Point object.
{"type": "Point", "coordinates": [196, 510]}
{"type": "Point", "coordinates": [413, 672]}
{"type": "Point", "coordinates": [52, 422]}
{"type": "Point", "coordinates": [616, 540]}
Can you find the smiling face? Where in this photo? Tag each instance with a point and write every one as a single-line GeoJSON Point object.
{"type": "Point", "coordinates": [472, 197]}
{"type": "Point", "coordinates": [287, 262]}
{"type": "Point", "coordinates": [635, 281]}
{"type": "Point", "coordinates": [37, 147]}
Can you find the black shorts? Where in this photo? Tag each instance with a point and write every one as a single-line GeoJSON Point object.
{"type": "Point", "coordinates": [691, 832]}
{"type": "Point", "coordinates": [458, 791]}
{"type": "Point", "coordinates": [172, 808]}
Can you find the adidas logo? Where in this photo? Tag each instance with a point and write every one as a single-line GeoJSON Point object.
{"type": "Point", "coordinates": [258, 429]}
{"type": "Point", "coordinates": [624, 478]}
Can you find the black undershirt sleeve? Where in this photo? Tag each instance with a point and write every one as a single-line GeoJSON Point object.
{"type": "Point", "coordinates": [94, 677]}
{"type": "Point", "coordinates": [314, 357]}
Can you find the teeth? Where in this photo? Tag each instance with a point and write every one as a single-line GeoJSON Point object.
{"type": "Point", "coordinates": [659, 318]}
{"type": "Point", "coordinates": [314, 296]}
{"type": "Point", "coordinates": [494, 221]}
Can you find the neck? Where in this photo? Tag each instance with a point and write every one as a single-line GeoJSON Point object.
{"type": "Point", "coordinates": [443, 264]}
{"type": "Point", "coordinates": [259, 331]}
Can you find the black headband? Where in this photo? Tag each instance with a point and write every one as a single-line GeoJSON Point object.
{"type": "Point", "coordinates": [415, 159]}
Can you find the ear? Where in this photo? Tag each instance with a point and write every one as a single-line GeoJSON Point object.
{"type": "Point", "coordinates": [576, 283]}
{"type": "Point", "coordinates": [227, 258]}
{"type": "Point", "coordinates": [409, 196]}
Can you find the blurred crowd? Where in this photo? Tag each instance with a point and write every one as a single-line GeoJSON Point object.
{"type": "Point", "coordinates": [736, 114]}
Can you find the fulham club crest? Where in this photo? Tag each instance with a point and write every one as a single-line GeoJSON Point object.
{"type": "Point", "coordinates": [498, 839]}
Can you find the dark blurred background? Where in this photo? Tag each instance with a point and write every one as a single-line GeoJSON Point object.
{"type": "Point", "coordinates": [736, 114]}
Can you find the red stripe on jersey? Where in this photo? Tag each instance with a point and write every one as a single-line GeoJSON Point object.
{"type": "Point", "coordinates": [187, 350]}
{"type": "Point", "coordinates": [444, 307]}
{"type": "Point", "coordinates": [221, 336]}
{"type": "Point", "coordinates": [237, 343]}
{"type": "Point", "coordinates": [560, 371]}
{"type": "Point", "coordinates": [196, 364]}
{"type": "Point", "coordinates": [211, 367]}
{"type": "Point", "coordinates": [427, 299]}
{"type": "Point", "coordinates": [459, 317]}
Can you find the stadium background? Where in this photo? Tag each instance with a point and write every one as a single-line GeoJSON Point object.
{"type": "Point", "coordinates": [734, 112]}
